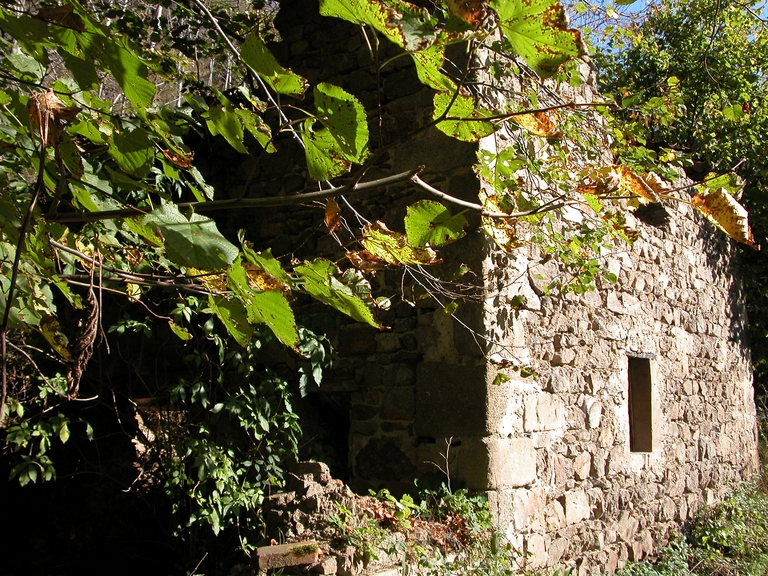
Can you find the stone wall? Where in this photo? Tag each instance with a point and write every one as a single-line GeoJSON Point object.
{"type": "Point", "coordinates": [552, 450]}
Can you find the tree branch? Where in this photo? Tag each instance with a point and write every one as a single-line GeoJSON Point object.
{"type": "Point", "coordinates": [245, 203]}
{"type": "Point", "coordinates": [548, 207]}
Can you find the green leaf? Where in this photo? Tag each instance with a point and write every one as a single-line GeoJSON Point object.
{"type": "Point", "coordinates": [133, 151]}
{"type": "Point", "coordinates": [70, 156]}
{"type": "Point", "coordinates": [89, 128]}
{"type": "Point", "coordinates": [26, 66]}
{"type": "Point", "coordinates": [30, 33]}
{"type": "Point", "coordinates": [500, 379]}
{"type": "Point", "coordinates": [320, 282]}
{"type": "Point", "coordinates": [269, 307]}
{"type": "Point", "coordinates": [83, 72]}
{"type": "Point", "coordinates": [467, 129]}
{"type": "Point", "coordinates": [380, 16]}
{"type": "Point", "coordinates": [129, 72]}
{"type": "Point", "coordinates": [63, 432]}
{"type": "Point", "coordinates": [223, 120]}
{"type": "Point", "coordinates": [325, 160]}
{"type": "Point", "coordinates": [258, 129]}
{"type": "Point", "coordinates": [193, 242]}
{"type": "Point", "coordinates": [180, 331]}
{"type": "Point", "coordinates": [734, 113]}
{"type": "Point", "coordinates": [344, 117]}
{"type": "Point", "coordinates": [266, 262]}
{"type": "Point", "coordinates": [430, 223]}
{"type": "Point", "coordinates": [233, 315]}
{"type": "Point", "coordinates": [428, 64]}
{"type": "Point", "coordinates": [257, 57]}
{"type": "Point", "coordinates": [538, 31]}
{"type": "Point", "coordinates": [732, 183]}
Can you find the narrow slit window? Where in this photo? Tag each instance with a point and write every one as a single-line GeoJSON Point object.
{"type": "Point", "coordinates": [640, 413]}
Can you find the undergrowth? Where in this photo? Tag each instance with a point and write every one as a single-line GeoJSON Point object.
{"type": "Point", "coordinates": [729, 539]}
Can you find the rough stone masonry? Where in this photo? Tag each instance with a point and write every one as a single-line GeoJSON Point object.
{"type": "Point", "coordinates": [640, 408]}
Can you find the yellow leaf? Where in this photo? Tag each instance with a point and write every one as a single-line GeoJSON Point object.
{"type": "Point", "coordinates": [50, 329]}
{"type": "Point", "coordinates": [726, 213]}
{"type": "Point", "coordinates": [502, 230]}
{"type": "Point", "coordinates": [538, 124]}
{"type": "Point", "coordinates": [393, 247]}
{"type": "Point", "coordinates": [262, 280]}
{"type": "Point", "coordinates": [636, 186]}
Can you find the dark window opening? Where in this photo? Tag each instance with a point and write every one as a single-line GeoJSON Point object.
{"type": "Point", "coordinates": [640, 413]}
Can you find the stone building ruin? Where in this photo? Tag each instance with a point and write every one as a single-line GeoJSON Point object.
{"type": "Point", "coordinates": [640, 407]}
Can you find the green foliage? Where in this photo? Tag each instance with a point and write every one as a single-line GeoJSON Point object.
{"type": "Point", "coordinates": [691, 76]}
{"type": "Point", "coordinates": [429, 223]}
{"type": "Point", "coordinates": [479, 545]}
{"type": "Point", "coordinates": [101, 108]}
{"type": "Point", "coordinates": [730, 538]}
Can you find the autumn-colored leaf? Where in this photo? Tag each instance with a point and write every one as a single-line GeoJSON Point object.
{"type": "Point", "coordinates": [332, 216]}
{"type": "Point", "coordinates": [63, 15]}
{"type": "Point", "coordinates": [538, 124]}
{"type": "Point", "coordinates": [726, 213]}
{"type": "Point", "coordinates": [184, 161]}
{"type": "Point", "coordinates": [393, 247]}
{"type": "Point", "coordinates": [635, 186]}
{"type": "Point", "coordinates": [656, 183]}
{"type": "Point", "coordinates": [473, 12]}
{"type": "Point", "coordinates": [503, 231]}
{"type": "Point", "coordinates": [49, 114]}
{"type": "Point", "coordinates": [260, 279]}
{"type": "Point", "coordinates": [364, 260]}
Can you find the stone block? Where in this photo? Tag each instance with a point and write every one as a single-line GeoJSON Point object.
{"type": "Point", "coordinates": [582, 464]}
{"type": "Point", "coordinates": [357, 339]}
{"type": "Point", "coordinates": [492, 463]}
{"type": "Point", "coordinates": [576, 506]}
{"type": "Point", "coordinates": [627, 527]}
{"type": "Point", "coordinates": [319, 471]}
{"type": "Point", "coordinates": [556, 551]}
{"type": "Point", "coordinates": [536, 550]}
{"type": "Point", "coordinates": [543, 411]}
{"type": "Point", "coordinates": [327, 565]}
{"type": "Point", "coordinates": [554, 516]}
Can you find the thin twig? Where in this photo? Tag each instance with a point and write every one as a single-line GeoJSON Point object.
{"type": "Point", "coordinates": [14, 276]}
{"type": "Point", "coordinates": [548, 207]}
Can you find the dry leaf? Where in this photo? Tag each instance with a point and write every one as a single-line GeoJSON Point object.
{"type": "Point", "coordinates": [63, 15]}
{"type": "Point", "coordinates": [48, 115]}
{"type": "Point", "coordinates": [657, 183]}
{"type": "Point", "coordinates": [332, 216]}
{"type": "Point", "coordinates": [538, 124]}
{"type": "Point", "coordinates": [364, 260]}
{"type": "Point", "coordinates": [473, 12]}
{"type": "Point", "coordinates": [179, 160]}
{"type": "Point", "coordinates": [636, 186]}
{"type": "Point", "coordinates": [726, 213]}
{"type": "Point", "coordinates": [263, 280]}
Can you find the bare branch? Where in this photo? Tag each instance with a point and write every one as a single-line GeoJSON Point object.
{"type": "Point", "coordinates": [246, 203]}
{"type": "Point", "coordinates": [548, 207]}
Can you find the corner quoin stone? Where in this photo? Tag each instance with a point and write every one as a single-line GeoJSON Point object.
{"type": "Point", "coordinates": [492, 463]}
